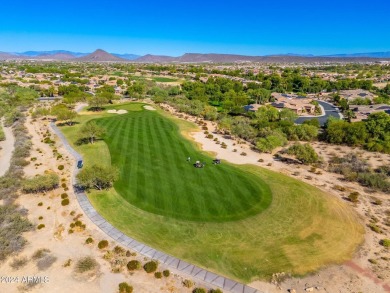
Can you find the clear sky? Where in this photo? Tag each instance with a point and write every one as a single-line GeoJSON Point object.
{"type": "Point", "coordinates": [176, 27]}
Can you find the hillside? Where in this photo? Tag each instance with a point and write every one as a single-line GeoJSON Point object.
{"type": "Point", "coordinates": [100, 56]}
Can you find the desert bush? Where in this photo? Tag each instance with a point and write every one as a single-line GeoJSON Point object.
{"type": "Point", "coordinates": [354, 196]}
{"type": "Point", "coordinates": [376, 201]}
{"type": "Point", "coordinates": [65, 202]}
{"type": "Point", "coordinates": [40, 226]}
{"type": "Point", "coordinates": [61, 167]}
{"type": "Point", "coordinates": [215, 291]}
{"type": "Point", "coordinates": [40, 183]}
{"type": "Point", "coordinates": [67, 263]}
{"type": "Point", "coordinates": [133, 265]}
{"type": "Point", "coordinates": [40, 204]}
{"type": "Point", "coordinates": [86, 264]}
{"type": "Point", "coordinates": [209, 136]}
{"type": "Point", "coordinates": [119, 250]}
{"type": "Point", "coordinates": [188, 283]}
{"type": "Point", "coordinates": [125, 288]}
{"type": "Point", "coordinates": [150, 267]}
{"type": "Point", "coordinates": [304, 153]}
{"type": "Point", "coordinates": [40, 253]}
{"type": "Point", "coordinates": [102, 244]}
{"type": "Point", "coordinates": [18, 263]}
{"type": "Point", "coordinates": [12, 223]}
{"type": "Point", "coordinates": [46, 262]}
{"type": "Point", "coordinates": [158, 275]}
{"type": "Point", "coordinates": [375, 228]}
{"type": "Point", "coordinates": [243, 154]}
{"type": "Point", "coordinates": [166, 273]}
{"type": "Point", "coordinates": [89, 240]}
{"type": "Point", "coordinates": [64, 195]}
{"type": "Point", "coordinates": [385, 243]}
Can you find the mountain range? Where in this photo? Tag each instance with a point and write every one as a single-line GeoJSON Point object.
{"type": "Point", "coordinates": [103, 56]}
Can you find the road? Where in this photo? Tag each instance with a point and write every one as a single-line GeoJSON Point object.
{"type": "Point", "coordinates": [330, 111]}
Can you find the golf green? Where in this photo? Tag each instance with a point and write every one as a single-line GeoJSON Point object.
{"type": "Point", "coordinates": [156, 176]}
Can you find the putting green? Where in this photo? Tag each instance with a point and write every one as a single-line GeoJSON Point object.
{"type": "Point", "coordinates": [156, 176]}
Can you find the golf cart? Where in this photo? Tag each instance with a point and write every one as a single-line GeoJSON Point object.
{"type": "Point", "coordinates": [79, 164]}
{"type": "Point", "coordinates": [198, 164]}
{"type": "Point", "coordinates": [216, 161]}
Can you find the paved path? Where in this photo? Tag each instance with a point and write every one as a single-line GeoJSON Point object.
{"type": "Point", "coordinates": [330, 110]}
{"type": "Point", "coordinates": [203, 275]}
{"type": "Point", "coordinates": [7, 148]}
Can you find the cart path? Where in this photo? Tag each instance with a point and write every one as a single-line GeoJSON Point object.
{"type": "Point", "coordinates": [7, 148]}
{"type": "Point", "coordinates": [174, 263]}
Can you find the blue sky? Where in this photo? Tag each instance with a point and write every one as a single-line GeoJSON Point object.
{"type": "Point", "coordinates": [176, 27]}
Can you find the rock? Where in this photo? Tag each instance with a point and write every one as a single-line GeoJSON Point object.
{"type": "Point", "coordinates": [309, 289]}
{"type": "Point", "coordinates": [292, 291]}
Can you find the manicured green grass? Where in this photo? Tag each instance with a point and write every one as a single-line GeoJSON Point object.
{"type": "Point", "coordinates": [164, 79]}
{"type": "Point", "coordinates": [156, 176]}
{"type": "Point", "coordinates": [302, 230]}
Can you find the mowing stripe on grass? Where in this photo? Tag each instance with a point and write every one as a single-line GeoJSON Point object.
{"type": "Point", "coordinates": [156, 177]}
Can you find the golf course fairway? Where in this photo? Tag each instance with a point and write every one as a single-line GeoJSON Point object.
{"type": "Point", "coordinates": [243, 222]}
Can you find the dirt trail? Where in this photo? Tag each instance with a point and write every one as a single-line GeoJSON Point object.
{"type": "Point", "coordinates": [7, 148]}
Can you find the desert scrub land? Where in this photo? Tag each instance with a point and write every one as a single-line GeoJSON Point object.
{"type": "Point", "coordinates": [298, 231]}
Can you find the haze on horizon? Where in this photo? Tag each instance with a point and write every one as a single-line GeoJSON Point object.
{"type": "Point", "coordinates": [176, 27]}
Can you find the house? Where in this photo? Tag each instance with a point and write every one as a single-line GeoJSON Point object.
{"type": "Point", "coordinates": [299, 104]}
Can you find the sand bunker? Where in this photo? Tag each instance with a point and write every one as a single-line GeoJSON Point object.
{"type": "Point", "coordinates": [149, 108]}
{"type": "Point", "coordinates": [117, 111]}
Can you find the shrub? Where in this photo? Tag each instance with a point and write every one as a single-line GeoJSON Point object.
{"type": "Point", "coordinates": [65, 202]}
{"type": "Point", "coordinates": [40, 183]}
{"type": "Point", "coordinates": [63, 185]}
{"type": "Point", "coordinates": [375, 228]}
{"type": "Point", "coordinates": [133, 265]}
{"type": "Point", "coordinates": [188, 283]}
{"type": "Point", "coordinates": [102, 244]}
{"type": "Point", "coordinates": [119, 250]}
{"type": "Point", "coordinates": [210, 136]}
{"type": "Point", "coordinates": [377, 201]}
{"type": "Point", "coordinates": [40, 226]}
{"type": "Point", "coordinates": [385, 243]}
{"type": "Point", "coordinates": [150, 267]}
{"type": "Point", "coordinates": [166, 273]}
{"type": "Point", "coordinates": [18, 263]}
{"type": "Point", "coordinates": [158, 275]}
{"type": "Point", "coordinates": [125, 288]}
{"type": "Point", "coordinates": [40, 204]}
{"type": "Point", "coordinates": [88, 240]}
{"type": "Point", "coordinates": [354, 196]}
{"type": "Point", "coordinates": [64, 195]}
{"type": "Point", "coordinates": [304, 153]}
{"type": "Point", "coordinates": [61, 167]}
{"type": "Point", "coordinates": [40, 218]}
{"type": "Point", "coordinates": [243, 154]}
{"type": "Point", "coordinates": [199, 290]}
{"type": "Point", "coordinates": [67, 263]}
{"type": "Point", "coordinates": [40, 253]}
{"type": "Point", "coordinates": [86, 264]}
{"type": "Point", "coordinates": [45, 262]}
{"type": "Point", "coordinates": [215, 291]}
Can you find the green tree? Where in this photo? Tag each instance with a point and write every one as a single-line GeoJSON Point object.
{"type": "Point", "coordinates": [91, 131]}
{"type": "Point", "coordinates": [97, 177]}
{"type": "Point", "coordinates": [66, 115]}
